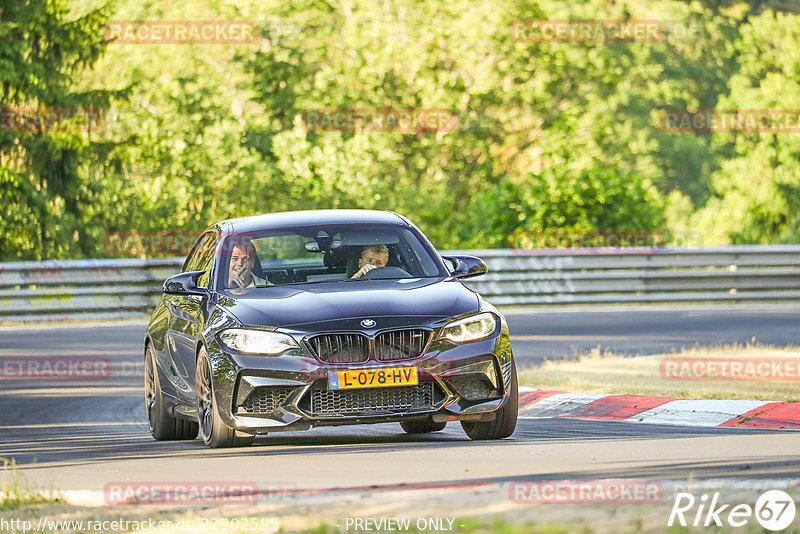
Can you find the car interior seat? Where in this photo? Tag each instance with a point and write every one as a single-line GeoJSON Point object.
{"type": "Point", "coordinates": [337, 259]}
{"type": "Point", "coordinates": [276, 276]}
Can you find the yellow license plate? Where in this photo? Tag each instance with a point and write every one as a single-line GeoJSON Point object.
{"type": "Point", "coordinates": [373, 378]}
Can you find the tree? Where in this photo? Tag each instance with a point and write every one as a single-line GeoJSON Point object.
{"type": "Point", "coordinates": [42, 194]}
{"type": "Point", "coordinates": [757, 190]}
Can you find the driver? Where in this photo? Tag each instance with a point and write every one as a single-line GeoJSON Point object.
{"type": "Point", "coordinates": [372, 256]}
{"type": "Point", "coordinates": [240, 274]}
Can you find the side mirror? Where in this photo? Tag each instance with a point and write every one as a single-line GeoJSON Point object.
{"type": "Point", "coordinates": [466, 266]}
{"type": "Point", "coordinates": [184, 284]}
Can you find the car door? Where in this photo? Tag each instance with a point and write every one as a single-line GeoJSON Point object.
{"type": "Point", "coordinates": [187, 319]}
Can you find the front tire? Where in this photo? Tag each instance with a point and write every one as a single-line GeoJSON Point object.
{"type": "Point", "coordinates": [506, 420]}
{"type": "Point", "coordinates": [214, 431]}
{"type": "Point", "coordinates": [163, 426]}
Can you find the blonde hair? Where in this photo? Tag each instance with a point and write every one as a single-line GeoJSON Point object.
{"type": "Point", "coordinates": [381, 249]}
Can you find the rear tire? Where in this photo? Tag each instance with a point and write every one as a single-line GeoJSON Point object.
{"type": "Point", "coordinates": [422, 427]}
{"type": "Point", "coordinates": [215, 433]}
{"type": "Point", "coordinates": [506, 420]}
{"type": "Point", "coordinates": [163, 426]}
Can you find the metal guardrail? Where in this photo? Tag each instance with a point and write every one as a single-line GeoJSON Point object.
{"type": "Point", "coordinates": [97, 289]}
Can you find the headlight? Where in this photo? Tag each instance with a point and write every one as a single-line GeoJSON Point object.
{"type": "Point", "coordinates": [257, 341]}
{"type": "Point", "coordinates": [470, 328]}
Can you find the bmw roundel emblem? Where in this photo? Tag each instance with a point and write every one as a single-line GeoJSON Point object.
{"type": "Point", "coordinates": [368, 323]}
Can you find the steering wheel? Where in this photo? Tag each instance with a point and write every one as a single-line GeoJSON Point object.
{"type": "Point", "coordinates": [385, 272]}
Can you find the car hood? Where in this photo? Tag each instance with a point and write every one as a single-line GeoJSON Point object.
{"type": "Point", "coordinates": [297, 305]}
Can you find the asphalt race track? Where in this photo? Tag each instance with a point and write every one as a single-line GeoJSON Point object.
{"type": "Point", "coordinates": [553, 333]}
{"type": "Point", "coordinates": [81, 435]}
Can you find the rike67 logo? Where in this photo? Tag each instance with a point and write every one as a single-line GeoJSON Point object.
{"type": "Point", "coordinates": [774, 510]}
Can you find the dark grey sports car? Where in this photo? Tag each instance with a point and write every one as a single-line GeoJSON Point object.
{"type": "Point", "coordinates": [291, 320]}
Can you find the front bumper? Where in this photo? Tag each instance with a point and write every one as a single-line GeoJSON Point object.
{"type": "Point", "coordinates": [258, 394]}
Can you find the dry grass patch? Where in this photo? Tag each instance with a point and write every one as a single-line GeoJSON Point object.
{"type": "Point", "coordinates": [607, 372]}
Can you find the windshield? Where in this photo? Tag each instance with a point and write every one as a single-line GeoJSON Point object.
{"type": "Point", "coordinates": [325, 253]}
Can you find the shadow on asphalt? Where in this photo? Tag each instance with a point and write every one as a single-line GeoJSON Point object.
{"type": "Point", "coordinates": [73, 444]}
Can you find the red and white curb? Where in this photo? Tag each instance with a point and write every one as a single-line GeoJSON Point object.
{"type": "Point", "coordinates": [538, 403]}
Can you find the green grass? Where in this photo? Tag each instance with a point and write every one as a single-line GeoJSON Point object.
{"type": "Point", "coordinates": [607, 372]}
{"type": "Point", "coordinates": [15, 492]}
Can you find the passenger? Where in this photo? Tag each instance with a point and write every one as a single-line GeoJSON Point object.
{"type": "Point", "coordinates": [372, 256]}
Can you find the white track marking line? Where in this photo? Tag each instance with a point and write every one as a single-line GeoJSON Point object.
{"type": "Point", "coordinates": [558, 404]}
{"type": "Point", "coordinates": [696, 412]}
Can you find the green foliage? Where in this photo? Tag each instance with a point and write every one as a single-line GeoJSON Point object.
{"type": "Point", "coordinates": [513, 136]}
{"type": "Point", "coordinates": [757, 190]}
{"type": "Point", "coordinates": [547, 136]}
{"type": "Point", "coordinates": [42, 192]}
{"type": "Point", "coordinates": [587, 200]}
{"type": "Point", "coordinates": [16, 491]}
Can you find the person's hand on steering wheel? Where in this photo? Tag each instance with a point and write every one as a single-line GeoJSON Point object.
{"type": "Point", "coordinates": [364, 270]}
{"type": "Point", "coordinates": [372, 256]}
